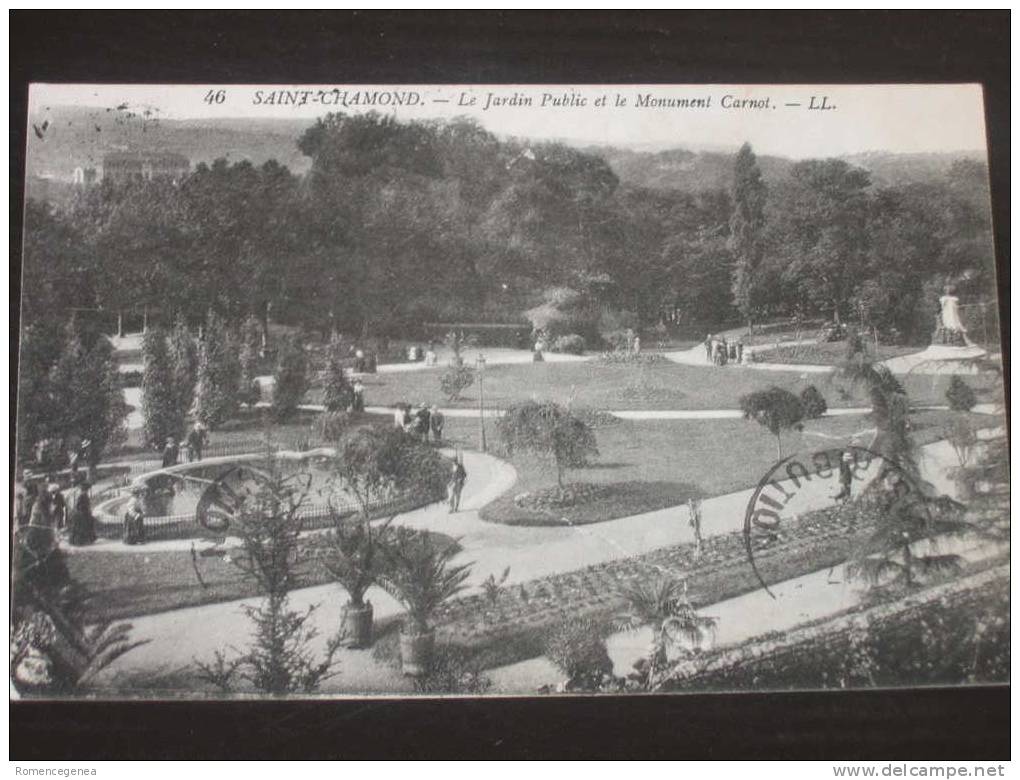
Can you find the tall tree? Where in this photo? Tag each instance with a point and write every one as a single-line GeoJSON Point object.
{"type": "Point", "coordinates": [251, 336]}
{"type": "Point", "coordinates": [161, 412]}
{"type": "Point", "coordinates": [826, 237]}
{"type": "Point", "coordinates": [85, 400]}
{"type": "Point", "coordinates": [219, 372]}
{"type": "Point", "coordinates": [747, 225]}
{"type": "Point", "coordinates": [183, 356]}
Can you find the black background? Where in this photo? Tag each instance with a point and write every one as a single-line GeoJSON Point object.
{"type": "Point", "coordinates": [524, 47]}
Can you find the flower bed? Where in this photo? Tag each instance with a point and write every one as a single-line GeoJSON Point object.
{"type": "Point", "coordinates": [513, 626]}
{"type": "Point", "coordinates": [570, 495]}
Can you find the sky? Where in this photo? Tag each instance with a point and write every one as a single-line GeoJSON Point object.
{"type": "Point", "coordinates": [787, 120]}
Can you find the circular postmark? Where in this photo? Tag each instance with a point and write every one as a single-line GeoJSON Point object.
{"type": "Point", "coordinates": [804, 483]}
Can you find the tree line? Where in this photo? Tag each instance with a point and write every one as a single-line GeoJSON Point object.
{"type": "Point", "coordinates": [400, 223]}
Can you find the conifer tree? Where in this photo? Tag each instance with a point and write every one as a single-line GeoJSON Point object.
{"type": "Point", "coordinates": [160, 411]}
{"type": "Point", "coordinates": [251, 335]}
{"type": "Point", "coordinates": [219, 373]}
{"type": "Point", "coordinates": [290, 380]}
{"type": "Point", "coordinates": [747, 226]}
{"type": "Point", "coordinates": [183, 356]}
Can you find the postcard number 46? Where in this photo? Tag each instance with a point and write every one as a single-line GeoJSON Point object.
{"type": "Point", "coordinates": [215, 96]}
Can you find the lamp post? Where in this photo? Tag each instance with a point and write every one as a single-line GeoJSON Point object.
{"type": "Point", "coordinates": [480, 362]}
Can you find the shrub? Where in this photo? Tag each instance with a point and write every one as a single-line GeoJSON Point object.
{"type": "Point", "coordinates": [571, 344]}
{"type": "Point", "coordinates": [457, 379]}
{"type": "Point", "coordinates": [333, 425]}
{"type": "Point", "coordinates": [291, 380]}
{"type": "Point", "coordinates": [578, 649]}
{"type": "Point", "coordinates": [813, 402]}
{"type": "Point", "coordinates": [338, 395]}
{"type": "Point", "coordinates": [614, 324]}
{"type": "Point", "coordinates": [619, 340]}
{"type": "Point", "coordinates": [563, 311]}
{"type": "Point", "coordinates": [959, 395]}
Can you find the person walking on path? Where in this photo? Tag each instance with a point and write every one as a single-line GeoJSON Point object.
{"type": "Point", "coordinates": [359, 395]}
{"type": "Point", "coordinates": [709, 340]}
{"type": "Point", "coordinates": [637, 344]}
{"type": "Point", "coordinates": [846, 477]}
{"type": "Point", "coordinates": [80, 522]}
{"type": "Point", "coordinates": [437, 421]}
{"type": "Point", "coordinates": [458, 476]}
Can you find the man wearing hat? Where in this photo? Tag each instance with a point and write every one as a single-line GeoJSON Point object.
{"type": "Point", "coordinates": [170, 452]}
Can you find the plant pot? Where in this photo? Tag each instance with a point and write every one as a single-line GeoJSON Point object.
{"type": "Point", "coordinates": [356, 625]}
{"type": "Point", "coordinates": [416, 651]}
{"type": "Point", "coordinates": [964, 490]}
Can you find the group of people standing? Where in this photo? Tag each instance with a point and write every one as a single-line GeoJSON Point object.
{"type": "Point", "coordinates": [420, 421]}
{"type": "Point", "coordinates": [47, 512]}
{"type": "Point", "coordinates": [189, 449]}
{"type": "Point", "coordinates": [719, 351]}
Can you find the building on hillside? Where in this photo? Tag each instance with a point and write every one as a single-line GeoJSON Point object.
{"type": "Point", "coordinates": [120, 167]}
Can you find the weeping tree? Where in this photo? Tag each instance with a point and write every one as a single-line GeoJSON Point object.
{"type": "Point", "coordinates": [549, 430]}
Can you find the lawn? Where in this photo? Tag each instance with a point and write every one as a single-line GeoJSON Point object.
{"type": "Point", "coordinates": [123, 585]}
{"type": "Point", "coordinates": [647, 386]}
{"type": "Point", "coordinates": [657, 464]}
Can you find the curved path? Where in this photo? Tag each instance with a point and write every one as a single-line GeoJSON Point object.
{"type": "Point", "coordinates": [933, 360]}
{"type": "Point", "coordinates": [180, 636]}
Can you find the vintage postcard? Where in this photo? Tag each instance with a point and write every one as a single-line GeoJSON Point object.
{"type": "Point", "coordinates": [353, 390]}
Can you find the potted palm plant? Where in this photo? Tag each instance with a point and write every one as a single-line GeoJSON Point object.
{"type": "Point", "coordinates": [418, 572]}
{"type": "Point", "coordinates": [373, 466]}
{"type": "Point", "coordinates": [351, 554]}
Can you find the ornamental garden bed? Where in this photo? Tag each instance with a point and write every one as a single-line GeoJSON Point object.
{"type": "Point", "coordinates": [514, 625]}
